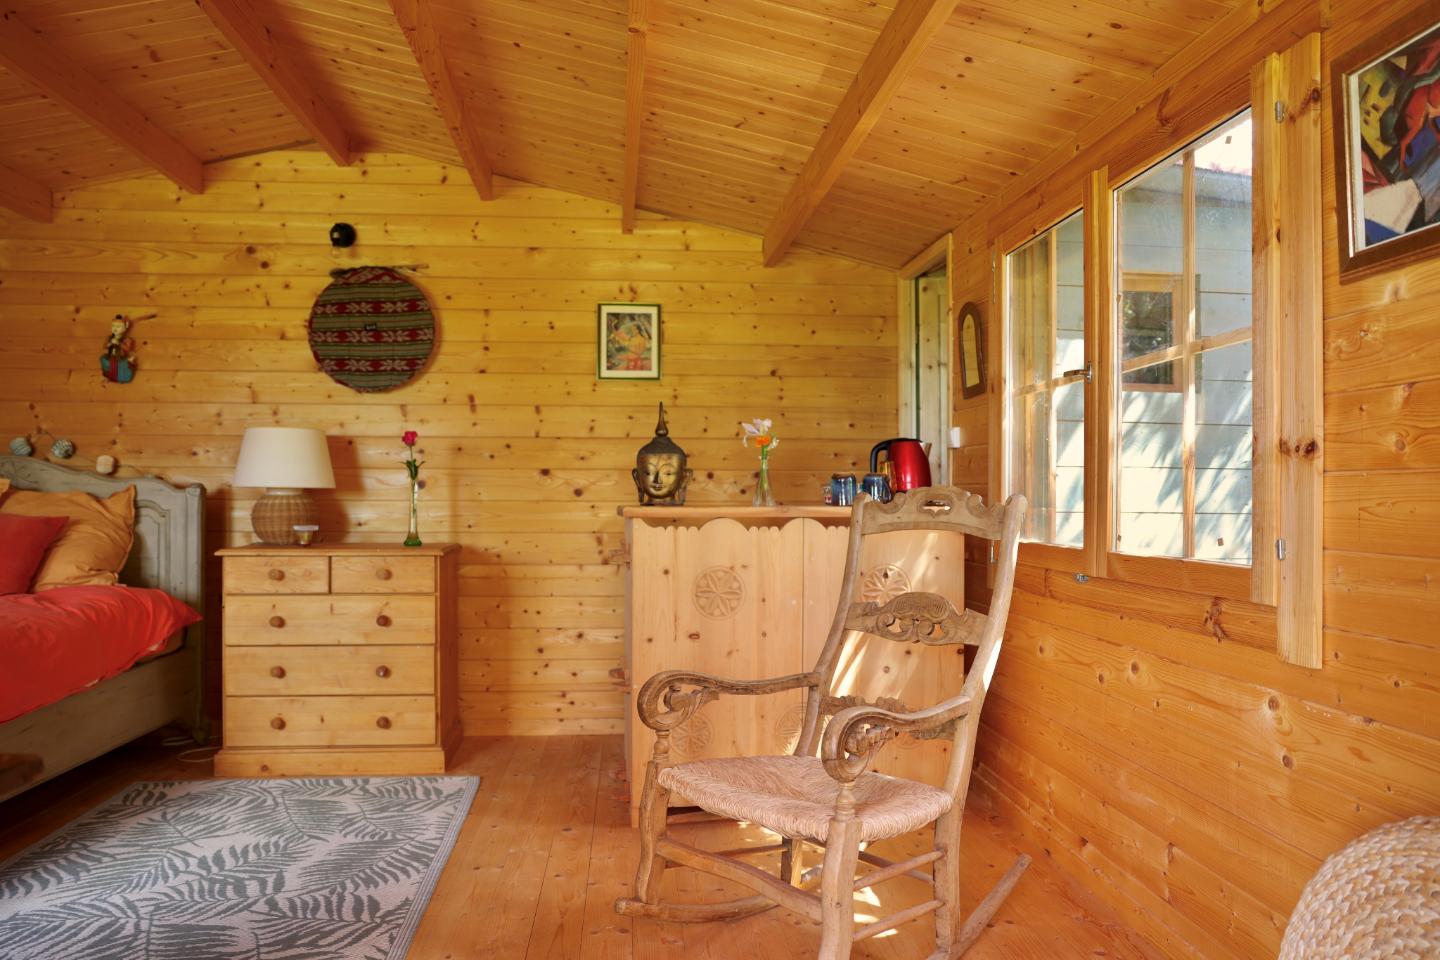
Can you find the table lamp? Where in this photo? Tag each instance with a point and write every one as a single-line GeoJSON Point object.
{"type": "Point", "coordinates": [286, 461]}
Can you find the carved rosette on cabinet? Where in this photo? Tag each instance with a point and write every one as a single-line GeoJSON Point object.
{"type": "Point", "coordinates": [884, 583]}
{"type": "Point", "coordinates": [789, 725]}
{"type": "Point", "coordinates": [718, 593]}
{"type": "Point", "coordinates": [692, 737]}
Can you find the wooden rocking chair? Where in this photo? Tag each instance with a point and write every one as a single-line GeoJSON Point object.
{"type": "Point", "coordinates": [832, 801]}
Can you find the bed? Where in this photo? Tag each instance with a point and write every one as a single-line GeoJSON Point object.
{"type": "Point", "coordinates": [168, 554]}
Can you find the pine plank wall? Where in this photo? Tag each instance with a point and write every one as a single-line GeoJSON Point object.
{"type": "Point", "coordinates": [1179, 770]}
{"type": "Point", "coordinates": [1164, 755]}
{"type": "Point", "coordinates": [527, 456]}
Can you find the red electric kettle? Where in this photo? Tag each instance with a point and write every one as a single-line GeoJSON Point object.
{"type": "Point", "coordinates": [906, 463]}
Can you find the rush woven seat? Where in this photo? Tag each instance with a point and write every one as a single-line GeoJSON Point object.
{"type": "Point", "coordinates": [795, 797]}
{"type": "Point", "coordinates": [823, 793]}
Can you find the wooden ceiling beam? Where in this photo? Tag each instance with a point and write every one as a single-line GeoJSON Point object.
{"type": "Point", "coordinates": [634, 113]}
{"type": "Point", "coordinates": [33, 57]}
{"type": "Point", "coordinates": [27, 197]}
{"type": "Point", "coordinates": [249, 35]}
{"type": "Point", "coordinates": [908, 31]}
{"type": "Point", "coordinates": [424, 41]}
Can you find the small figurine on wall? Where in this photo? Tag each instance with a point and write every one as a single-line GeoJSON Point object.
{"type": "Point", "coordinates": [117, 363]}
{"type": "Point", "coordinates": [660, 473]}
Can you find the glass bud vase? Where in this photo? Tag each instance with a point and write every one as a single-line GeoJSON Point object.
{"type": "Point", "coordinates": [764, 496]}
{"type": "Point", "coordinates": [412, 539]}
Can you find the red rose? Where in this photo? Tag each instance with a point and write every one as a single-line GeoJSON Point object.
{"type": "Point", "coordinates": [409, 438]}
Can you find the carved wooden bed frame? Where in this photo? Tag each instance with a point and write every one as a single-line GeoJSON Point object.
{"type": "Point", "coordinates": [169, 554]}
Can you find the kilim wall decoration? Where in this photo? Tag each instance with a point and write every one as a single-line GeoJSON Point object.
{"type": "Point", "coordinates": [371, 329]}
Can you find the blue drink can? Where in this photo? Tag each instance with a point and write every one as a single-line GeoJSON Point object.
{"type": "Point", "coordinates": [877, 485]}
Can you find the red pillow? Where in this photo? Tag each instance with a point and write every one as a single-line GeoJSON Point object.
{"type": "Point", "coordinates": [25, 541]}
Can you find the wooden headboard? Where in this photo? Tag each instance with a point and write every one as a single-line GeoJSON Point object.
{"type": "Point", "coordinates": [169, 550]}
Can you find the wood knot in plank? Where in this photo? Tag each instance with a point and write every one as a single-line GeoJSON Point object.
{"type": "Point", "coordinates": [1212, 619]}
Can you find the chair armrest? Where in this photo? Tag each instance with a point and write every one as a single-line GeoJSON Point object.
{"type": "Point", "coordinates": [855, 735]}
{"type": "Point", "coordinates": [663, 705]}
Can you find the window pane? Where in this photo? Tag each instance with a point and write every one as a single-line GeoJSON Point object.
{"type": "Point", "coordinates": [1151, 233]}
{"type": "Point", "coordinates": [1069, 296]}
{"type": "Point", "coordinates": [1223, 442]}
{"type": "Point", "coordinates": [1223, 229]}
{"type": "Point", "coordinates": [1184, 255]}
{"type": "Point", "coordinates": [1070, 463]}
{"type": "Point", "coordinates": [1029, 313]}
{"type": "Point", "coordinates": [1151, 474]}
{"type": "Point", "coordinates": [1045, 337]}
{"type": "Point", "coordinates": [1147, 325]}
{"type": "Point", "coordinates": [1030, 463]}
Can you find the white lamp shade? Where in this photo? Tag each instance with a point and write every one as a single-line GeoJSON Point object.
{"type": "Point", "coordinates": [285, 458]}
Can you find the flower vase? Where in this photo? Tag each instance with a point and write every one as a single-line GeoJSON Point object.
{"type": "Point", "coordinates": [764, 496]}
{"type": "Point", "coordinates": [412, 538]}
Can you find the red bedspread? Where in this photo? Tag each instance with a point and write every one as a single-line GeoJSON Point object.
{"type": "Point", "coordinates": [60, 641]}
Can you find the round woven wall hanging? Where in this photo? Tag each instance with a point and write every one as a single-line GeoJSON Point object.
{"type": "Point", "coordinates": [371, 329]}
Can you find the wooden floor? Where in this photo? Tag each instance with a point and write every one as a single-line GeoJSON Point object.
{"type": "Point", "coordinates": [548, 847]}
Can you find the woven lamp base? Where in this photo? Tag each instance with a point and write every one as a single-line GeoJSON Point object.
{"type": "Point", "coordinates": [276, 514]}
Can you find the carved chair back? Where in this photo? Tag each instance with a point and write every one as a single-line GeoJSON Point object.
{"type": "Point", "coordinates": [921, 617]}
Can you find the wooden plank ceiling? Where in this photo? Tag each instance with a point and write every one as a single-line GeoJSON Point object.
{"type": "Point", "coordinates": [733, 96]}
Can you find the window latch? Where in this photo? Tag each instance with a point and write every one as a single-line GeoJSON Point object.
{"type": "Point", "coordinates": [1087, 371]}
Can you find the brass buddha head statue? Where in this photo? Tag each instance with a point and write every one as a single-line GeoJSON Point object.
{"type": "Point", "coordinates": [660, 473]}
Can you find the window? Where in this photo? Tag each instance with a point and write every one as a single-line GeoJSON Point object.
{"type": "Point", "coordinates": [1045, 381]}
{"type": "Point", "coordinates": [1183, 265]}
{"type": "Point", "coordinates": [1192, 288]}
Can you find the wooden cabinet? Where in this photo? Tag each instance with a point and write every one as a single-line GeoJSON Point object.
{"type": "Point", "coordinates": [339, 659]}
{"type": "Point", "coordinates": [750, 593]}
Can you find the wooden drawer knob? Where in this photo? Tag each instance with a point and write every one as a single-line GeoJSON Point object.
{"type": "Point", "coordinates": [278, 673]}
{"type": "Point", "coordinates": [383, 723]}
{"type": "Point", "coordinates": [383, 574]}
{"type": "Point", "coordinates": [277, 622]}
{"type": "Point", "coordinates": [382, 671]}
{"type": "Point", "coordinates": [277, 574]}
{"type": "Point", "coordinates": [278, 723]}
{"type": "Point", "coordinates": [382, 621]}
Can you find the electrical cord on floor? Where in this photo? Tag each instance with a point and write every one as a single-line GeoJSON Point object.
{"type": "Point", "coordinates": [193, 755]}
{"type": "Point", "coordinates": [201, 754]}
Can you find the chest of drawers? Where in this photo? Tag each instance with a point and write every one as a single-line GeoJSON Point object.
{"type": "Point", "coordinates": [339, 659]}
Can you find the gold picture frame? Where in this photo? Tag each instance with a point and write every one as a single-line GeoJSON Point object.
{"type": "Point", "coordinates": [1387, 148]}
{"type": "Point", "coordinates": [627, 345]}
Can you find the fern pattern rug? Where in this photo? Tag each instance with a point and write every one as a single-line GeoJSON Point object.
{"type": "Point", "coordinates": [306, 869]}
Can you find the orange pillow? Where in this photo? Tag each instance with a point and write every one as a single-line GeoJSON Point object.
{"type": "Point", "coordinates": [94, 544]}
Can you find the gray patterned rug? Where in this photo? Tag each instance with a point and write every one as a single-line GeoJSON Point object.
{"type": "Point", "coordinates": [309, 869]}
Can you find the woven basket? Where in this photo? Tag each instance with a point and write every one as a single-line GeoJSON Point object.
{"type": "Point", "coordinates": [1377, 897]}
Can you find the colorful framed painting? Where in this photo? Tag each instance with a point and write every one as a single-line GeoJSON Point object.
{"type": "Point", "coordinates": [1387, 147]}
{"type": "Point", "coordinates": [628, 346]}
